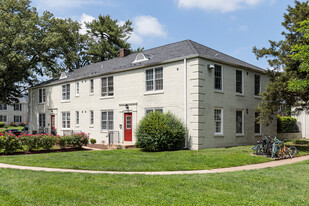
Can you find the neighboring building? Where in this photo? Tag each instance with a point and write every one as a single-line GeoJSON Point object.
{"type": "Point", "coordinates": [213, 93]}
{"type": "Point", "coordinates": [303, 122]}
{"type": "Point", "coordinates": [17, 112]}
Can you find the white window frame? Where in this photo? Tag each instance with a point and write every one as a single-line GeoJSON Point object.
{"type": "Point", "coordinates": [222, 122]}
{"type": "Point", "coordinates": [153, 109]}
{"type": "Point", "coordinates": [17, 108]}
{"type": "Point", "coordinates": [255, 122]}
{"type": "Point", "coordinates": [91, 118]}
{"type": "Point", "coordinates": [242, 122]}
{"type": "Point", "coordinates": [66, 93]}
{"type": "Point", "coordinates": [154, 79]}
{"type": "Point", "coordinates": [242, 81]}
{"type": "Point", "coordinates": [110, 91]}
{"type": "Point", "coordinates": [41, 120]}
{"type": "Point", "coordinates": [77, 89]}
{"type": "Point", "coordinates": [65, 120]}
{"type": "Point", "coordinates": [42, 96]}
{"type": "Point", "coordinates": [221, 78]}
{"type": "Point", "coordinates": [3, 107]}
{"type": "Point", "coordinates": [108, 121]}
{"type": "Point", "coordinates": [257, 95]}
{"type": "Point", "coordinates": [77, 118]}
{"type": "Point", "coordinates": [18, 118]}
{"type": "Point", "coordinates": [91, 86]}
{"type": "Point", "coordinates": [2, 118]}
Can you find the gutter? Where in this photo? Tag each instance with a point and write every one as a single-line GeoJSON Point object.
{"type": "Point", "coordinates": [185, 97]}
{"type": "Point", "coordinates": [151, 65]}
{"type": "Point", "coordinates": [30, 111]}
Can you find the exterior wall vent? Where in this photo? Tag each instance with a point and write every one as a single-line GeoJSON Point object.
{"type": "Point", "coordinates": [140, 57]}
{"type": "Point", "coordinates": [63, 75]}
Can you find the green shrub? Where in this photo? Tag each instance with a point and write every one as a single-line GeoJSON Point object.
{"type": "Point", "coordinates": [93, 141]}
{"type": "Point", "coordinates": [30, 141]}
{"type": "Point", "coordinates": [22, 124]}
{"type": "Point", "coordinates": [287, 125]}
{"type": "Point", "coordinates": [12, 124]}
{"type": "Point", "coordinates": [10, 143]}
{"type": "Point", "coordinates": [75, 140]}
{"type": "Point", "coordinates": [47, 141]}
{"type": "Point", "coordinates": [2, 124]}
{"type": "Point", "coordinates": [160, 132]}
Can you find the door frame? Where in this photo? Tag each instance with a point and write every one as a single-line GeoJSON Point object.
{"type": "Point", "coordinates": [125, 125]}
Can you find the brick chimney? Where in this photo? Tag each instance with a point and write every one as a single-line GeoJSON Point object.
{"type": "Point", "coordinates": [124, 52]}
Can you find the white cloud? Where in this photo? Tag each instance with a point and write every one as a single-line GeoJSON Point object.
{"type": "Point", "coordinates": [135, 39]}
{"type": "Point", "coordinates": [83, 19]}
{"type": "Point", "coordinates": [66, 4]}
{"type": "Point", "coordinates": [148, 26]}
{"type": "Point", "coordinates": [220, 5]}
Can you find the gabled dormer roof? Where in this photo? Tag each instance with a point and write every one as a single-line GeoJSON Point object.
{"type": "Point", "coordinates": [155, 56]}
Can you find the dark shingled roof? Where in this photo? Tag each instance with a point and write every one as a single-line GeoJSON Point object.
{"type": "Point", "coordinates": [158, 55]}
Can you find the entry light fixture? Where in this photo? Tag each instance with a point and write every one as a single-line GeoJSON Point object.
{"type": "Point", "coordinates": [210, 66]}
{"type": "Point", "coordinates": [127, 106]}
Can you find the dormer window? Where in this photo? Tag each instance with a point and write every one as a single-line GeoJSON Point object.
{"type": "Point", "coordinates": [63, 75]}
{"type": "Point", "coordinates": [140, 57]}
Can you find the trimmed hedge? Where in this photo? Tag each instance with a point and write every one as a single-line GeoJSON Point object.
{"type": "Point", "coordinates": [11, 143]}
{"type": "Point", "coordinates": [2, 124]}
{"type": "Point", "coordinates": [160, 132]}
{"type": "Point", "coordinates": [287, 125]}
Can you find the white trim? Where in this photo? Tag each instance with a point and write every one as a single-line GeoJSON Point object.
{"type": "Point", "coordinates": [153, 109]}
{"type": "Point", "coordinates": [91, 92]}
{"type": "Point", "coordinates": [257, 96]}
{"type": "Point", "coordinates": [107, 91]}
{"type": "Point", "coordinates": [90, 118]}
{"type": "Point", "coordinates": [222, 75]}
{"type": "Point", "coordinates": [242, 82]}
{"type": "Point", "coordinates": [242, 122]}
{"type": "Point", "coordinates": [222, 121]}
{"type": "Point", "coordinates": [153, 91]}
{"type": "Point", "coordinates": [77, 94]}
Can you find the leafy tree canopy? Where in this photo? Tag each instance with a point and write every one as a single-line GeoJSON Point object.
{"type": "Point", "coordinates": [289, 78]}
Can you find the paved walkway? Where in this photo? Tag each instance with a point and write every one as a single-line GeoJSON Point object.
{"type": "Point", "coordinates": [275, 163]}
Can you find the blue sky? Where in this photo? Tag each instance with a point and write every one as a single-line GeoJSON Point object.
{"type": "Point", "coordinates": [229, 26]}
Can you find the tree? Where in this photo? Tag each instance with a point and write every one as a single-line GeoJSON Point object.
{"type": "Point", "coordinates": [108, 37]}
{"type": "Point", "coordinates": [32, 46]}
{"type": "Point", "coordinates": [284, 86]}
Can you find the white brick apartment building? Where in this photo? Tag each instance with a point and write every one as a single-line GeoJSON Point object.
{"type": "Point", "coordinates": [17, 112]}
{"type": "Point", "coordinates": [214, 94]}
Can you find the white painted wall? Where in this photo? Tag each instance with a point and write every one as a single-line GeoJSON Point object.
{"type": "Point", "coordinates": [303, 122]}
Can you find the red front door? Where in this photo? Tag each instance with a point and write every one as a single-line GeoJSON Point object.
{"type": "Point", "coordinates": [52, 122]}
{"type": "Point", "coordinates": [128, 127]}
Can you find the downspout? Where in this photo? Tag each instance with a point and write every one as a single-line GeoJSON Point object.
{"type": "Point", "coordinates": [185, 98]}
{"type": "Point", "coordinates": [30, 111]}
{"type": "Point", "coordinates": [305, 124]}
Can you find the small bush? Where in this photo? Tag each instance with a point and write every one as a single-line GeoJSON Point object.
{"type": "Point", "coordinates": [22, 124]}
{"type": "Point", "coordinates": [75, 140]}
{"type": "Point", "coordinates": [47, 141]}
{"type": "Point", "coordinates": [30, 141]}
{"type": "Point", "coordinates": [10, 143]}
{"type": "Point", "coordinates": [160, 132]}
{"type": "Point", "coordinates": [287, 125]}
{"type": "Point", "coordinates": [2, 124]}
{"type": "Point", "coordinates": [12, 124]}
{"type": "Point", "coordinates": [93, 141]}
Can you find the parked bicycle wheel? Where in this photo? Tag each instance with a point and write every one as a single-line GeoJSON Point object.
{"type": "Point", "coordinates": [292, 151]}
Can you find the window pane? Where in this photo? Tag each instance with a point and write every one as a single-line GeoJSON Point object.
{"type": "Point", "coordinates": [257, 126]}
{"type": "Point", "coordinates": [238, 81]}
{"type": "Point", "coordinates": [218, 77]}
{"type": "Point", "coordinates": [239, 122]}
{"type": "Point", "coordinates": [149, 80]}
{"type": "Point", "coordinates": [104, 87]}
{"type": "Point", "coordinates": [159, 110]}
{"type": "Point", "coordinates": [257, 86]}
{"type": "Point", "coordinates": [218, 120]}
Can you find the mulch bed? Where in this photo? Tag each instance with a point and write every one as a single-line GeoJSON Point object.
{"type": "Point", "coordinates": [45, 151]}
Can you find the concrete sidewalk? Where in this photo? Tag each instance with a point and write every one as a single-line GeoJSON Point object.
{"type": "Point", "coordinates": [275, 163]}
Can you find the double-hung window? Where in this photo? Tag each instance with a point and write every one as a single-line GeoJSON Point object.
{"type": "Point", "coordinates": [41, 120]}
{"type": "Point", "coordinates": [148, 110]}
{"type": "Point", "coordinates": [3, 118]}
{"type": "Point", "coordinates": [77, 89]}
{"type": "Point", "coordinates": [91, 117]}
{"type": "Point", "coordinates": [239, 82]}
{"type": "Point", "coordinates": [218, 77]}
{"type": "Point", "coordinates": [3, 107]}
{"type": "Point", "coordinates": [91, 86]}
{"type": "Point", "coordinates": [107, 86]}
{"type": "Point", "coordinates": [218, 114]}
{"type": "Point", "coordinates": [154, 79]}
{"type": "Point", "coordinates": [17, 107]}
{"type": "Point", "coordinates": [77, 118]}
{"type": "Point", "coordinates": [257, 125]}
{"type": "Point", "coordinates": [42, 95]}
{"type": "Point", "coordinates": [17, 119]}
{"type": "Point", "coordinates": [66, 120]}
{"type": "Point", "coordinates": [66, 92]}
{"type": "Point", "coordinates": [107, 120]}
{"type": "Point", "coordinates": [239, 122]}
{"type": "Point", "coordinates": [257, 85]}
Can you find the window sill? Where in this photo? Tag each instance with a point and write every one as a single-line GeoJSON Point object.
{"type": "Point", "coordinates": [219, 91]}
{"type": "Point", "coordinates": [91, 94]}
{"type": "Point", "coordinates": [77, 126]}
{"type": "Point", "coordinates": [42, 103]}
{"type": "Point", "coordinates": [107, 97]}
{"type": "Point", "coordinates": [240, 94]}
{"type": "Point", "coordinates": [76, 95]}
{"type": "Point", "coordinates": [240, 135]}
{"type": "Point", "coordinates": [65, 129]}
{"type": "Point", "coordinates": [91, 126]}
{"type": "Point", "coordinates": [258, 135]}
{"type": "Point", "coordinates": [218, 135]}
{"type": "Point", "coordinates": [65, 101]}
{"type": "Point", "coordinates": [257, 97]}
{"type": "Point", "coordinates": [154, 92]}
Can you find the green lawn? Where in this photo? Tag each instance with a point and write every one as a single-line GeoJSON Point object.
{"type": "Point", "coordinates": [3, 129]}
{"type": "Point", "coordinates": [285, 185]}
{"type": "Point", "coordinates": [136, 160]}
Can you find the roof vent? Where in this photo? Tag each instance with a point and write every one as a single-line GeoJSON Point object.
{"type": "Point", "coordinates": [140, 57]}
{"type": "Point", "coordinates": [63, 75]}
